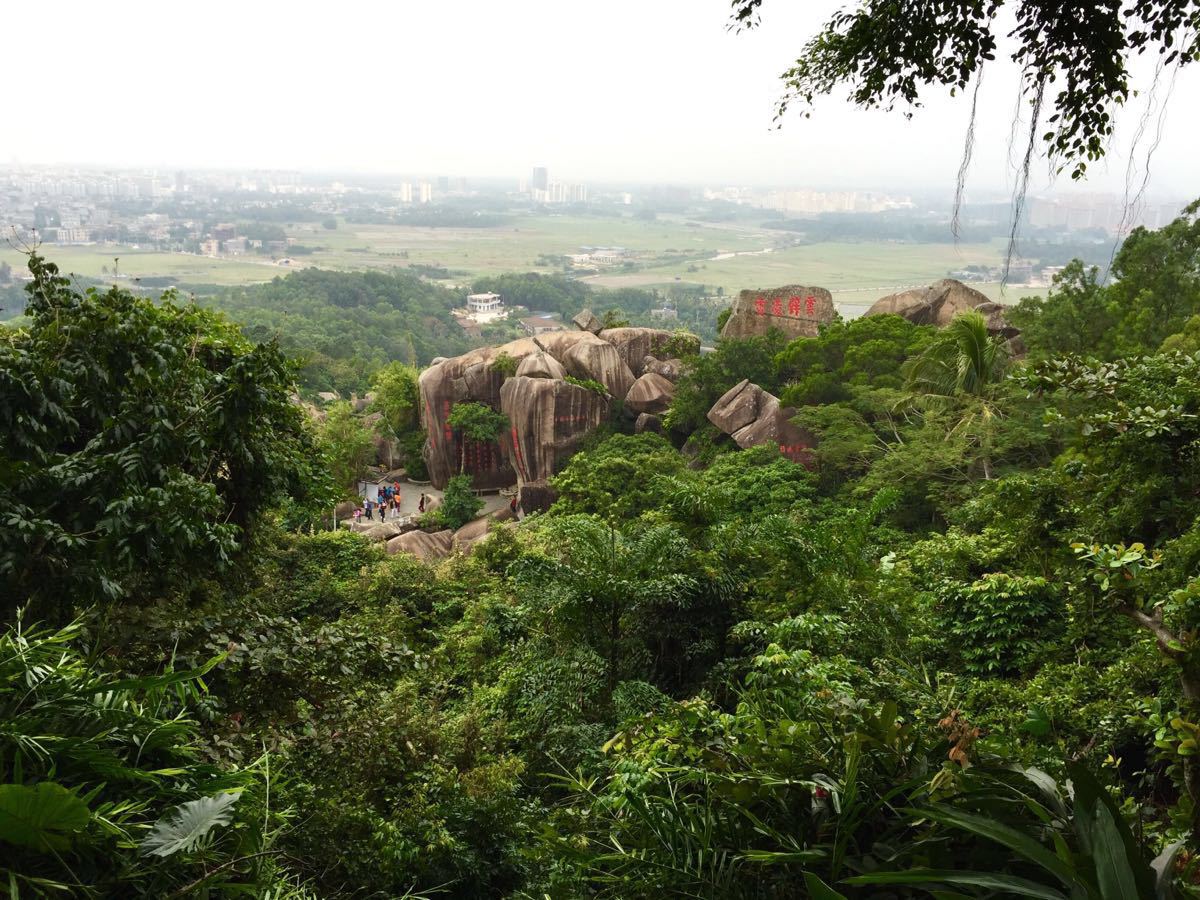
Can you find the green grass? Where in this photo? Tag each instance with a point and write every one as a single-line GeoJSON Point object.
{"type": "Point", "coordinates": [856, 273]}
{"type": "Point", "coordinates": [185, 268]}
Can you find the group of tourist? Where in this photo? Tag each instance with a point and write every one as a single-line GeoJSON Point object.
{"type": "Point", "coordinates": [386, 504]}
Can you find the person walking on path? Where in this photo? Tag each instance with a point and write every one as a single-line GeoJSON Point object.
{"type": "Point", "coordinates": [421, 505]}
{"type": "Point", "coordinates": [357, 514]}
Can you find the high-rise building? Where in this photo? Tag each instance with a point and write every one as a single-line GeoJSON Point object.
{"type": "Point", "coordinates": [426, 192]}
{"type": "Point", "coordinates": [541, 179]}
{"type": "Point", "coordinates": [406, 193]}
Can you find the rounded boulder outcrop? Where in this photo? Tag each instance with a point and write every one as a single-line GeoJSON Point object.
{"type": "Point", "coordinates": [738, 406]}
{"type": "Point", "coordinates": [598, 360]}
{"type": "Point", "coordinates": [541, 365]}
{"type": "Point", "coordinates": [423, 545]}
{"type": "Point", "coordinates": [940, 303]}
{"type": "Point", "coordinates": [585, 320]}
{"type": "Point", "coordinates": [670, 369]}
{"type": "Point", "coordinates": [650, 394]}
{"type": "Point", "coordinates": [635, 344]}
{"type": "Point", "coordinates": [547, 421]}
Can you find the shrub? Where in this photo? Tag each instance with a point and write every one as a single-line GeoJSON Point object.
{"type": "Point", "coordinates": [459, 503]}
{"type": "Point", "coordinates": [588, 384]}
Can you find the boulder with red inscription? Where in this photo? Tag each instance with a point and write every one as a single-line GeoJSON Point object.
{"type": "Point", "coordinates": [548, 419]}
{"type": "Point", "coordinates": [795, 309]}
{"type": "Point", "coordinates": [753, 417]}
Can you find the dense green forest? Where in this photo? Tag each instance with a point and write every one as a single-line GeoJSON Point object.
{"type": "Point", "coordinates": [955, 658]}
{"type": "Point", "coordinates": [346, 326]}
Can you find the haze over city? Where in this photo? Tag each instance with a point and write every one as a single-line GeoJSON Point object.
{"type": "Point", "coordinates": [627, 93]}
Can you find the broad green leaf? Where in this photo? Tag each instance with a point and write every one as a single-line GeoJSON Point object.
{"type": "Point", "coordinates": [183, 827]}
{"type": "Point", "coordinates": [1120, 871]}
{"type": "Point", "coordinates": [43, 817]}
{"type": "Point", "coordinates": [1009, 884]}
{"type": "Point", "coordinates": [995, 831]}
{"type": "Point", "coordinates": [819, 890]}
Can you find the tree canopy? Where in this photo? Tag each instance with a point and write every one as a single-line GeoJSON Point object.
{"type": "Point", "coordinates": [142, 442]}
{"type": "Point", "coordinates": [1074, 58]}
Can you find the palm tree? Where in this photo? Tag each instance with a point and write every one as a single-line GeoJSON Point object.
{"type": "Point", "coordinates": [961, 370]}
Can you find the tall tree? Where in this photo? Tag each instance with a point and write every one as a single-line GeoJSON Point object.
{"type": "Point", "coordinates": [475, 422]}
{"type": "Point", "coordinates": [1074, 58]}
{"type": "Point", "coordinates": [139, 443]}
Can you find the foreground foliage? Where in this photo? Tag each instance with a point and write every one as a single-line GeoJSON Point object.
{"type": "Point", "coordinates": [955, 659]}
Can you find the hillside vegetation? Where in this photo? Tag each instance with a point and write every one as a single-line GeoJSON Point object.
{"type": "Point", "coordinates": [956, 658]}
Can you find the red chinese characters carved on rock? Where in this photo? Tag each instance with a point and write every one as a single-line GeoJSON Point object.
{"type": "Point", "coordinates": [793, 305]}
{"type": "Point", "coordinates": [777, 306]}
{"type": "Point", "coordinates": [760, 306]}
{"type": "Point", "coordinates": [810, 305]}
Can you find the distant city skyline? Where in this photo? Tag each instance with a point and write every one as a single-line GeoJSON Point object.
{"type": "Point", "coordinates": [657, 93]}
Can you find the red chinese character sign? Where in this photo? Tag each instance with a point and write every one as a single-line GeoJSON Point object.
{"type": "Point", "coordinates": [796, 310]}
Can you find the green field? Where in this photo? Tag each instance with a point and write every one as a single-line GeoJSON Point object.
{"type": "Point", "coordinates": [91, 260]}
{"type": "Point", "coordinates": [857, 273]}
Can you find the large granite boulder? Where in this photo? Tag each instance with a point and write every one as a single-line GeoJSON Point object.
{"type": "Point", "coordinates": [774, 426]}
{"type": "Point", "coordinates": [585, 320]}
{"type": "Point", "coordinates": [598, 360]}
{"type": "Point", "coordinates": [345, 509]}
{"type": "Point", "coordinates": [423, 545]}
{"type": "Point", "coordinates": [477, 530]}
{"type": "Point", "coordinates": [738, 406]}
{"type": "Point", "coordinates": [650, 394]}
{"type": "Point", "coordinates": [548, 420]}
{"type": "Point", "coordinates": [913, 305]}
{"type": "Point", "coordinates": [635, 344]}
{"type": "Point", "coordinates": [939, 303]}
{"type": "Point", "coordinates": [796, 310]}
{"type": "Point", "coordinates": [377, 531]}
{"type": "Point", "coordinates": [541, 365]}
{"type": "Point", "coordinates": [997, 323]}
{"type": "Point", "coordinates": [670, 369]}
{"type": "Point", "coordinates": [753, 417]}
{"type": "Point", "coordinates": [469, 377]}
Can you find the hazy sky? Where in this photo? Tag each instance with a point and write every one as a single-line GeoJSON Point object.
{"type": "Point", "coordinates": [637, 90]}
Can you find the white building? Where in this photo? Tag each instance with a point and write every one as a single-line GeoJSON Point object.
{"type": "Point", "coordinates": [484, 303]}
{"type": "Point", "coordinates": [406, 193]}
{"type": "Point", "coordinates": [426, 192]}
